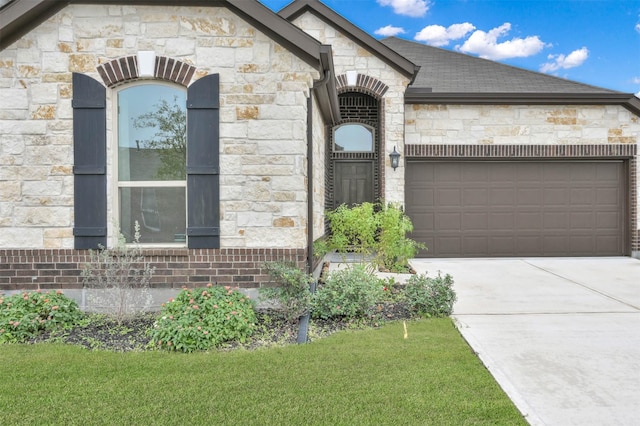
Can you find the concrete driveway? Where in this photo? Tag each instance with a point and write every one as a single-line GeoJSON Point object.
{"type": "Point", "coordinates": [560, 335]}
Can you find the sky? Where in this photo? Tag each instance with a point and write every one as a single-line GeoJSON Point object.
{"type": "Point", "coordinates": [595, 42]}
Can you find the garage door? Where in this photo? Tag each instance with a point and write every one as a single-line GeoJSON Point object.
{"type": "Point", "coordinates": [517, 208]}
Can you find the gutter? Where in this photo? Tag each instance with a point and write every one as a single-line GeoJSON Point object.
{"type": "Point", "coordinates": [325, 89]}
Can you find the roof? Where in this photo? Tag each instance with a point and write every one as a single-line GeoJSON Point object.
{"type": "Point", "coordinates": [451, 77]}
{"type": "Point", "coordinates": [390, 56]}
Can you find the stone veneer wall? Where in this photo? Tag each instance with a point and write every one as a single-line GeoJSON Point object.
{"type": "Point", "coordinates": [263, 115]}
{"type": "Point", "coordinates": [348, 56]}
{"type": "Point", "coordinates": [515, 131]}
{"type": "Point", "coordinates": [264, 89]}
{"type": "Point", "coordinates": [31, 269]}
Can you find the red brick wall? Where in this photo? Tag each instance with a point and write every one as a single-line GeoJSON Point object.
{"type": "Point", "coordinates": [22, 269]}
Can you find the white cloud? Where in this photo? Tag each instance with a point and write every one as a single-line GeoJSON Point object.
{"type": "Point", "coordinates": [485, 44]}
{"type": "Point", "coordinates": [572, 60]}
{"type": "Point", "coordinates": [389, 31]}
{"type": "Point", "coordinates": [638, 28]}
{"type": "Point", "coordinates": [635, 80]}
{"type": "Point", "coordinates": [638, 95]}
{"type": "Point", "coordinates": [437, 35]}
{"type": "Point", "coordinates": [413, 8]}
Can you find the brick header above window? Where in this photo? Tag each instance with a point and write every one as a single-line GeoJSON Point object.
{"type": "Point", "coordinates": [119, 70]}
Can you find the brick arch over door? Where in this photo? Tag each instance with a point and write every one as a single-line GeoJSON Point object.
{"type": "Point", "coordinates": [120, 70]}
{"type": "Point", "coordinates": [364, 84]}
{"type": "Point", "coordinates": [354, 177]}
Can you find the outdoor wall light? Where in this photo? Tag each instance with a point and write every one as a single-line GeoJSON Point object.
{"type": "Point", "coordinates": [395, 158]}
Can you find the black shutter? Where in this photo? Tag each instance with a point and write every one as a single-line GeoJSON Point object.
{"type": "Point", "coordinates": [90, 162]}
{"type": "Point", "coordinates": [203, 178]}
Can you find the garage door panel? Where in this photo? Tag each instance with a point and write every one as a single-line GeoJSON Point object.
{"type": "Point", "coordinates": [449, 197]}
{"type": "Point", "coordinates": [518, 208]}
{"type": "Point", "coordinates": [529, 196]}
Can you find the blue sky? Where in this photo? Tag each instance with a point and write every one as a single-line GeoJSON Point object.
{"type": "Point", "coordinates": [591, 41]}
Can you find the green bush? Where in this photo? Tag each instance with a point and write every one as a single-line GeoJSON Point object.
{"type": "Point", "coordinates": [25, 315]}
{"type": "Point", "coordinates": [203, 318]}
{"type": "Point", "coordinates": [432, 297]}
{"type": "Point", "coordinates": [371, 228]}
{"type": "Point", "coordinates": [348, 293]}
{"type": "Point", "coordinates": [353, 229]}
{"type": "Point", "coordinates": [293, 292]}
{"type": "Point", "coordinates": [394, 249]}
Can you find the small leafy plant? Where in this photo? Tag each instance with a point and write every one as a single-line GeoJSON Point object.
{"type": "Point", "coordinates": [118, 278]}
{"type": "Point", "coordinates": [431, 297]}
{"type": "Point", "coordinates": [349, 293]}
{"type": "Point", "coordinates": [372, 229]}
{"type": "Point", "coordinates": [353, 229]}
{"type": "Point", "coordinates": [394, 249]}
{"type": "Point", "coordinates": [27, 314]}
{"type": "Point", "coordinates": [203, 318]}
{"type": "Point", "coordinates": [292, 292]}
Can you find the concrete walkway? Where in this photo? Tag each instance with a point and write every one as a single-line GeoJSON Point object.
{"type": "Point", "coordinates": [560, 335]}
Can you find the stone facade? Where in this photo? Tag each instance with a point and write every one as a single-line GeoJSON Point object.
{"type": "Point", "coordinates": [263, 113]}
{"type": "Point", "coordinates": [348, 56]}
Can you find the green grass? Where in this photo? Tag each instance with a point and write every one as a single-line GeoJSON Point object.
{"type": "Point", "coordinates": [351, 378]}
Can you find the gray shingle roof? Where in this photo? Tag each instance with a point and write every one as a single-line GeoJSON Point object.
{"type": "Point", "coordinates": [444, 71]}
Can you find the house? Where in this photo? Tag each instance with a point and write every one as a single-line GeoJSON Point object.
{"type": "Point", "coordinates": [225, 130]}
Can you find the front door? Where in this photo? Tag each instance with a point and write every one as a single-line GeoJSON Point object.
{"type": "Point", "coordinates": [353, 182]}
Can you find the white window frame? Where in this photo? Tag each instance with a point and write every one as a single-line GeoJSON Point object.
{"type": "Point", "coordinates": [113, 176]}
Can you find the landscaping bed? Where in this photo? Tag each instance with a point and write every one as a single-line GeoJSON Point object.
{"type": "Point", "coordinates": [103, 332]}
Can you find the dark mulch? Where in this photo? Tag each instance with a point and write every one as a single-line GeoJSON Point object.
{"type": "Point", "coordinates": [103, 332]}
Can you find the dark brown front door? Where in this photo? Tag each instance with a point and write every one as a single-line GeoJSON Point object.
{"type": "Point", "coordinates": [518, 208]}
{"type": "Point", "coordinates": [353, 182]}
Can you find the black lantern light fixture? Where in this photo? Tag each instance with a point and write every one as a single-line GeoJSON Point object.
{"type": "Point", "coordinates": [395, 158]}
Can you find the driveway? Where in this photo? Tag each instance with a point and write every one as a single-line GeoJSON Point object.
{"type": "Point", "coordinates": [560, 335]}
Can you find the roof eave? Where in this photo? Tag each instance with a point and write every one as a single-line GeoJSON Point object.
{"type": "Point", "coordinates": [427, 96]}
{"type": "Point", "coordinates": [20, 16]}
{"type": "Point", "coordinates": [317, 8]}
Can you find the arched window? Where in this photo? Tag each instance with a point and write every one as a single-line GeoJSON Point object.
{"type": "Point", "coordinates": [151, 163]}
{"type": "Point", "coordinates": [353, 138]}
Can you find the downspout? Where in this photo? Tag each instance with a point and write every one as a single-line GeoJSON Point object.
{"type": "Point", "coordinates": [303, 329]}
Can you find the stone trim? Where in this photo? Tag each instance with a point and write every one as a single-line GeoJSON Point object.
{"type": "Point", "coordinates": [32, 269]}
{"type": "Point", "coordinates": [120, 70]}
{"type": "Point", "coordinates": [364, 84]}
{"type": "Point", "coordinates": [604, 151]}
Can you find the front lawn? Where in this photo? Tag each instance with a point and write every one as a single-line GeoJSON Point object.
{"type": "Point", "coordinates": [366, 377]}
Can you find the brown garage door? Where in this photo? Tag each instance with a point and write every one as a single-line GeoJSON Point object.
{"type": "Point", "coordinates": [517, 208]}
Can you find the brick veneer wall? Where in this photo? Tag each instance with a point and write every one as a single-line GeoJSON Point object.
{"type": "Point", "coordinates": [26, 269]}
{"type": "Point", "coordinates": [587, 151]}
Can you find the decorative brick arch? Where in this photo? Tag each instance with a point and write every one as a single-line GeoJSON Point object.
{"type": "Point", "coordinates": [364, 84]}
{"type": "Point", "coordinates": [119, 70]}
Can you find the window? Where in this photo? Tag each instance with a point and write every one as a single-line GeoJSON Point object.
{"type": "Point", "coordinates": [353, 138]}
{"type": "Point", "coordinates": [152, 149]}
{"type": "Point", "coordinates": [154, 183]}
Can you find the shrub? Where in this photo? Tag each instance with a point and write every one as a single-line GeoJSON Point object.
{"type": "Point", "coordinates": [371, 228]}
{"type": "Point", "coordinates": [203, 318]}
{"type": "Point", "coordinates": [433, 297]}
{"type": "Point", "coordinates": [348, 293]}
{"type": "Point", "coordinates": [352, 229]}
{"type": "Point", "coordinates": [118, 279]}
{"type": "Point", "coordinates": [394, 249]}
{"type": "Point", "coordinates": [293, 292]}
{"type": "Point", "coordinates": [25, 315]}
